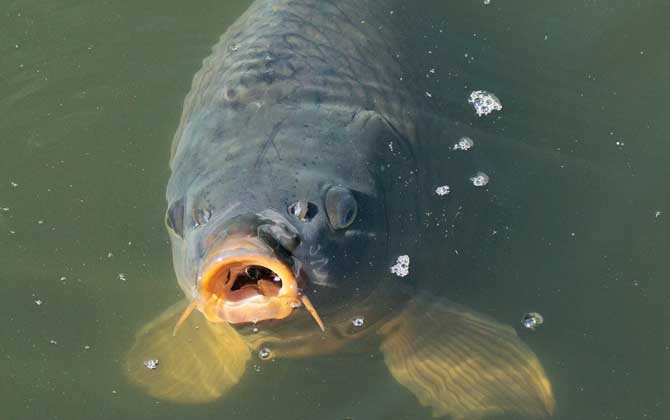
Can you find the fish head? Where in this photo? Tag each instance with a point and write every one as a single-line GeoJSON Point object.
{"type": "Point", "coordinates": [251, 245]}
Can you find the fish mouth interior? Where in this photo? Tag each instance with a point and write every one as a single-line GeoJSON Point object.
{"type": "Point", "coordinates": [244, 282]}
{"type": "Point", "coordinates": [241, 280]}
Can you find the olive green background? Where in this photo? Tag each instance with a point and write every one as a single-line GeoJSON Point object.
{"type": "Point", "coordinates": [90, 95]}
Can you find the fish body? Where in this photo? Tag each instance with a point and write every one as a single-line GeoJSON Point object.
{"type": "Point", "coordinates": [284, 110]}
{"type": "Point", "coordinates": [294, 186]}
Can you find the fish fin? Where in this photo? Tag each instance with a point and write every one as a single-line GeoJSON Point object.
{"type": "Point", "coordinates": [464, 364]}
{"type": "Point", "coordinates": [199, 364]}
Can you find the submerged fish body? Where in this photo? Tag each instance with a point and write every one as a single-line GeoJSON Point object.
{"type": "Point", "coordinates": [285, 138]}
{"type": "Point", "coordinates": [294, 186]}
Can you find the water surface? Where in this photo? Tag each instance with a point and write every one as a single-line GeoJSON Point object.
{"type": "Point", "coordinates": [573, 225]}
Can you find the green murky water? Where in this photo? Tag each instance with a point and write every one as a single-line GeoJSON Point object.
{"type": "Point", "coordinates": [90, 95]}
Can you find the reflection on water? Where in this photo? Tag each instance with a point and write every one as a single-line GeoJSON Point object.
{"type": "Point", "coordinates": [571, 224]}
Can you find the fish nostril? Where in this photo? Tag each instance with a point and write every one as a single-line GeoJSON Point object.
{"type": "Point", "coordinates": [302, 210]}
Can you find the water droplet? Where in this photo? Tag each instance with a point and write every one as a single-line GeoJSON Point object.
{"type": "Point", "coordinates": [442, 190]}
{"type": "Point", "coordinates": [532, 320]}
{"type": "Point", "coordinates": [464, 143]}
{"type": "Point", "coordinates": [480, 179]}
{"type": "Point", "coordinates": [151, 364]}
{"type": "Point", "coordinates": [484, 102]}
{"type": "Point", "coordinates": [401, 267]}
{"type": "Point", "coordinates": [264, 353]}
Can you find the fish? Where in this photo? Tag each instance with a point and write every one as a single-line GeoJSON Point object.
{"type": "Point", "coordinates": [296, 181]}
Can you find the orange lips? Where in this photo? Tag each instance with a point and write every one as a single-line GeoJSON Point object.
{"type": "Point", "coordinates": [243, 282]}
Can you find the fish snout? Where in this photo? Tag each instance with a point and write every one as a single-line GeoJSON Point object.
{"type": "Point", "coordinates": [246, 279]}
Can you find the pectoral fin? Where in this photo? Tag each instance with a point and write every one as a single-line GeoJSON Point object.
{"type": "Point", "coordinates": [198, 364]}
{"type": "Point", "coordinates": [463, 364]}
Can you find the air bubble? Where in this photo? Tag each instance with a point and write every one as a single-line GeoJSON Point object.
{"type": "Point", "coordinates": [151, 364]}
{"type": "Point", "coordinates": [358, 322]}
{"type": "Point", "coordinates": [264, 353]}
{"type": "Point", "coordinates": [484, 102]}
{"type": "Point", "coordinates": [480, 179]}
{"type": "Point", "coordinates": [532, 320]}
{"type": "Point", "coordinates": [464, 143]}
{"type": "Point", "coordinates": [401, 267]}
{"type": "Point", "coordinates": [442, 190]}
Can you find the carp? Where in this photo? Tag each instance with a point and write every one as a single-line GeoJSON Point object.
{"type": "Point", "coordinates": [295, 184]}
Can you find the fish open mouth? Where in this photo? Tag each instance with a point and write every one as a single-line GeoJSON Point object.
{"type": "Point", "coordinates": [242, 281]}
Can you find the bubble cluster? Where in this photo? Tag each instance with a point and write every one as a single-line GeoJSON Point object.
{"type": "Point", "coordinates": [401, 266]}
{"type": "Point", "coordinates": [480, 179]}
{"type": "Point", "coordinates": [442, 190]}
{"type": "Point", "coordinates": [151, 364]}
{"type": "Point", "coordinates": [484, 102]}
{"type": "Point", "coordinates": [464, 143]}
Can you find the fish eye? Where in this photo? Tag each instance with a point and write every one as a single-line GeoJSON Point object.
{"type": "Point", "coordinates": [174, 218]}
{"type": "Point", "coordinates": [341, 207]}
{"type": "Point", "coordinates": [201, 216]}
{"type": "Point", "coordinates": [303, 210]}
